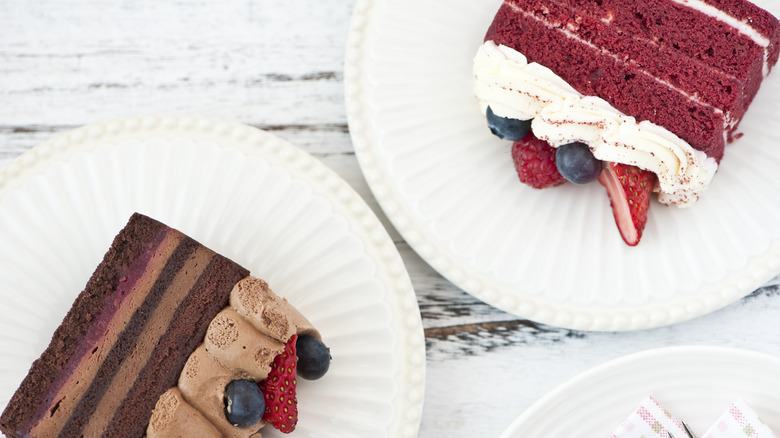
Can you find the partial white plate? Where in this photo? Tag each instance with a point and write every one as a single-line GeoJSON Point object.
{"type": "Point", "coordinates": [694, 383]}
{"type": "Point", "coordinates": [251, 197]}
{"type": "Point", "coordinates": [553, 256]}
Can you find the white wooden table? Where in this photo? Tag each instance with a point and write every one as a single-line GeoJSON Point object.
{"type": "Point", "coordinates": [278, 65]}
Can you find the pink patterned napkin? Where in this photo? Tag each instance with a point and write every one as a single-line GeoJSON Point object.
{"type": "Point", "coordinates": [739, 421]}
{"type": "Point", "coordinates": [649, 420]}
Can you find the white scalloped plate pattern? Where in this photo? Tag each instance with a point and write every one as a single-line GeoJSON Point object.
{"type": "Point", "coordinates": [694, 383]}
{"type": "Point", "coordinates": [555, 255]}
{"type": "Point", "coordinates": [249, 196]}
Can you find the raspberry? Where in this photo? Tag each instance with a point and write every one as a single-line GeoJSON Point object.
{"type": "Point", "coordinates": [535, 163]}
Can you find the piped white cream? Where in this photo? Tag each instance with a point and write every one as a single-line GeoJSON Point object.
{"type": "Point", "coordinates": [515, 88]}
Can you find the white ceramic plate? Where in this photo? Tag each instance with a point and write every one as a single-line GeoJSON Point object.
{"type": "Point", "coordinates": [251, 197]}
{"type": "Point", "coordinates": [696, 384]}
{"type": "Point", "coordinates": [554, 256]}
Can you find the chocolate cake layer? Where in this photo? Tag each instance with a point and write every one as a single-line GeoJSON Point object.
{"type": "Point", "coordinates": [185, 333]}
{"type": "Point", "coordinates": [126, 338]}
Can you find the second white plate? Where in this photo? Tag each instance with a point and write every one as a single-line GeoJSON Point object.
{"type": "Point", "coordinates": [555, 255]}
{"type": "Point", "coordinates": [694, 383]}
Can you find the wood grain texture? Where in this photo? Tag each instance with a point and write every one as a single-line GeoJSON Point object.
{"type": "Point", "coordinates": [278, 65]}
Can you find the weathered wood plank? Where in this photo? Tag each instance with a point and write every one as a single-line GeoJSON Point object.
{"type": "Point", "coordinates": [268, 63]}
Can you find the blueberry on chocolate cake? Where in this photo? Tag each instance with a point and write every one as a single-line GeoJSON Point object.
{"type": "Point", "coordinates": [652, 90]}
{"type": "Point", "coordinates": [168, 339]}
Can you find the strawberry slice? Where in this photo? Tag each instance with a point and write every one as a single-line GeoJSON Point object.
{"type": "Point", "coordinates": [629, 190]}
{"type": "Point", "coordinates": [535, 163]}
{"type": "Point", "coordinates": [281, 404]}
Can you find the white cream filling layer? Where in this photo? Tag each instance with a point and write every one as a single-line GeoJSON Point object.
{"type": "Point", "coordinates": [515, 88]}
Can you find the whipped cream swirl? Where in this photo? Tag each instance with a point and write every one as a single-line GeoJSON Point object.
{"type": "Point", "coordinates": [515, 88]}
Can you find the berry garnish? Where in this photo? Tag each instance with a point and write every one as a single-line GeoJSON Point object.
{"type": "Point", "coordinates": [244, 404]}
{"type": "Point", "coordinates": [535, 163]}
{"type": "Point", "coordinates": [577, 164]}
{"type": "Point", "coordinates": [507, 128]}
{"type": "Point", "coordinates": [629, 190]}
{"type": "Point", "coordinates": [313, 357]}
{"type": "Point", "coordinates": [281, 405]}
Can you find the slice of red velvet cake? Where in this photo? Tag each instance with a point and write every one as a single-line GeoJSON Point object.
{"type": "Point", "coordinates": [157, 297]}
{"type": "Point", "coordinates": [660, 85]}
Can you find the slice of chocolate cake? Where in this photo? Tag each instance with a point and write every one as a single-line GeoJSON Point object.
{"type": "Point", "coordinates": [125, 341]}
{"type": "Point", "coordinates": [126, 337]}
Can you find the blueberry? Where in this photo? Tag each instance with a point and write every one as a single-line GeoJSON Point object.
{"type": "Point", "coordinates": [506, 128]}
{"type": "Point", "coordinates": [577, 164]}
{"type": "Point", "coordinates": [313, 357]}
{"type": "Point", "coordinates": [244, 403]}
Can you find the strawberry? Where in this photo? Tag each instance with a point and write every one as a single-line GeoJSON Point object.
{"type": "Point", "coordinates": [281, 405]}
{"type": "Point", "coordinates": [535, 163]}
{"type": "Point", "coordinates": [629, 190]}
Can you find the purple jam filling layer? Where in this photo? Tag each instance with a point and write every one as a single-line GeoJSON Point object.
{"type": "Point", "coordinates": [128, 279]}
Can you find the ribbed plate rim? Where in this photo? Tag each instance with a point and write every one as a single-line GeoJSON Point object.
{"type": "Point", "coordinates": [671, 356]}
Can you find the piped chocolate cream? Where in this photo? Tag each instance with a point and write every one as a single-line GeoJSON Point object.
{"type": "Point", "coordinates": [240, 343]}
